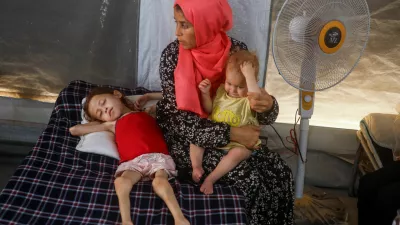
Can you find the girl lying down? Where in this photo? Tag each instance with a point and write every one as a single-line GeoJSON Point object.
{"type": "Point", "coordinates": [108, 110]}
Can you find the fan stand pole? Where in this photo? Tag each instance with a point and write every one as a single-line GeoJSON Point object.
{"type": "Point", "coordinates": [304, 127]}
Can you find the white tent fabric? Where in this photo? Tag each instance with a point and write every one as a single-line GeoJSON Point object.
{"type": "Point", "coordinates": [374, 85]}
{"type": "Point", "coordinates": [157, 30]}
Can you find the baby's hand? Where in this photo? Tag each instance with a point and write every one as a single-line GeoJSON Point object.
{"type": "Point", "coordinates": [248, 69]}
{"type": "Point", "coordinates": [205, 86]}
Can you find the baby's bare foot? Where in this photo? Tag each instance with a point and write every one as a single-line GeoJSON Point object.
{"type": "Point", "coordinates": [197, 174]}
{"type": "Point", "coordinates": [182, 221]}
{"type": "Point", "coordinates": [127, 223]}
{"type": "Point", "coordinates": [207, 187]}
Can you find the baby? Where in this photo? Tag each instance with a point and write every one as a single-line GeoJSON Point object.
{"type": "Point", "coordinates": [141, 147]}
{"type": "Point", "coordinates": [230, 106]}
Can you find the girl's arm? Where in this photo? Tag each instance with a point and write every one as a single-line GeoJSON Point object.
{"type": "Point", "coordinates": [206, 102]}
{"type": "Point", "coordinates": [251, 77]}
{"type": "Point", "coordinates": [265, 105]}
{"type": "Point", "coordinates": [205, 97]}
{"type": "Point", "coordinates": [82, 129]}
{"type": "Point", "coordinates": [154, 96]}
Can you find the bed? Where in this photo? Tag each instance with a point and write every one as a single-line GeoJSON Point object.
{"type": "Point", "coordinates": [56, 184]}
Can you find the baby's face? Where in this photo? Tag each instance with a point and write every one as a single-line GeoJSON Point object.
{"type": "Point", "coordinates": [235, 84]}
{"type": "Point", "coordinates": [106, 107]}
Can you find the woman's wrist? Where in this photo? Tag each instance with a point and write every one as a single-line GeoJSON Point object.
{"type": "Point", "coordinates": [271, 106]}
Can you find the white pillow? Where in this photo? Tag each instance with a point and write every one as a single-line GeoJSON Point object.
{"type": "Point", "coordinates": [102, 143]}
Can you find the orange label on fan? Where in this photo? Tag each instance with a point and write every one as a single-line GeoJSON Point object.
{"type": "Point", "coordinates": [332, 37]}
{"type": "Point", "coordinates": [307, 104]}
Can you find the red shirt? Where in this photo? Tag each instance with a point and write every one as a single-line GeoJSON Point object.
{"type": "Point", "coordinates": [137, 134]}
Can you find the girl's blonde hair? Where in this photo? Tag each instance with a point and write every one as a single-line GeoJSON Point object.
{"type": "Point", "coordinates": [241, 56]}
{"type": "Point", "coordinates": [99, 91]}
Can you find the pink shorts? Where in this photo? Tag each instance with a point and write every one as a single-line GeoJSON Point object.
{"type": "Point", "coordinates": [148, 165]}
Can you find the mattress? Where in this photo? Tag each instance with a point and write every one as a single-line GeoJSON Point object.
{"type": "Point", "coordinates": [56, 184]}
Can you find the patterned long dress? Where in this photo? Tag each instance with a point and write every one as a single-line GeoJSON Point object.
{"type": "Point", "coordinates": [264, 179]}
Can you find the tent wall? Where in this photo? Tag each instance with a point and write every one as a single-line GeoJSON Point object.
{"type": "Point", "coordinates": [25, 110]}
{"type": "Point", "coordinates": [45, 44]}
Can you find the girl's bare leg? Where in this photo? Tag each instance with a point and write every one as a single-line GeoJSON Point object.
{"type": "Point", "coordinates": [123, 187]}
{"type": "Point", "coordinates": [196, 157]}
{"type": "Point", "coordinates": [164, 190]}
{"type": "Point", "coordinates": [227, 163]}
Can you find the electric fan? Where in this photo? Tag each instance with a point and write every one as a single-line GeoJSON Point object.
{"type": "Point", "coordinates": [316, 44]}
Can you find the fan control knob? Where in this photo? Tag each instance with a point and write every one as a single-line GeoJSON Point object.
{"type": "Point", "coordinates": [307, 98]}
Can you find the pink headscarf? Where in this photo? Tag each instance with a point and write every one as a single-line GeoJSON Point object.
{"type": "Point", "coordinates": [211, 19]}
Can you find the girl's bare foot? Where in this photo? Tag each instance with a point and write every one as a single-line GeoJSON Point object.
{"type": "Point", "coordinates": [182, 221]}
{"type": "Point", "coordinates": [207, 187]}
{"type": "Point", "coordinates": [197, 174]}
{"type": "Point", "coordinates": [127, 223]}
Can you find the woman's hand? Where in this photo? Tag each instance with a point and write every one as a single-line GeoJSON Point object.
{"type": "Point", "coordinates": [151, 110]}
{"type": "Point", "coordinates": [141, 101]}
{"type": "Point", "coordinates": [260, 102]}
{"type": "Point", "coordinates": [246, 135]}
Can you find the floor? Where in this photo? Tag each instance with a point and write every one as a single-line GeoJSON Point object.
{"type": "Point", "coordinates": [16, 140]}
{"type": "Point", "coordinates": [11, 155]}
{"type": "Point", "coordinates": [335, 198]}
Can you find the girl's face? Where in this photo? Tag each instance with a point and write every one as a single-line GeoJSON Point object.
{"type": "Point", "coordinates": [184, 30]}
{"type": "Point", "coordinates": [106, 107]}
{"type": "Point", "coordinates": [235, 84]}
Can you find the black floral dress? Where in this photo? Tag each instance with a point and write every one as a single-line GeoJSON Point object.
{"type": "Point", "coordinates": [264, 179]}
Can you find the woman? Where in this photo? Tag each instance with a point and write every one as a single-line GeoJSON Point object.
{"type": "Point", "coordinates": [379, 196]}
{"type": "Point", "coordinates": [201, 52]}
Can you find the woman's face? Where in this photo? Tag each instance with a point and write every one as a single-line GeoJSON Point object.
{"type": "Point", "coordinates": [184, 30]}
